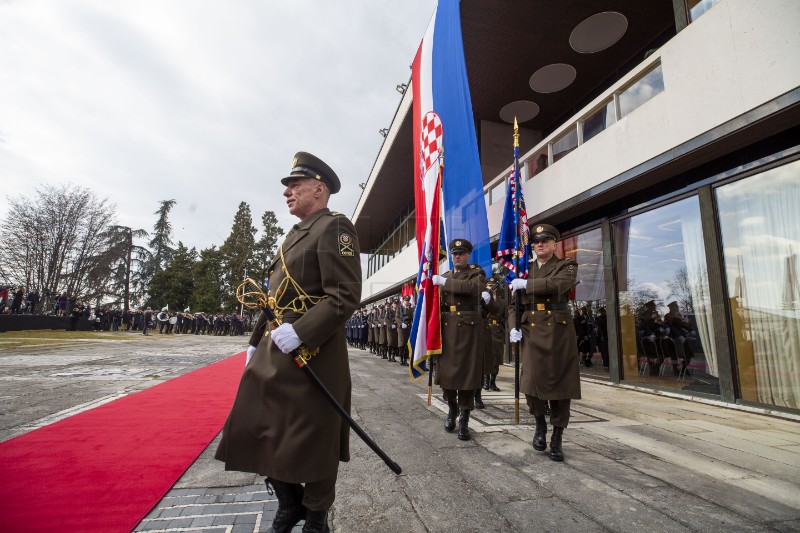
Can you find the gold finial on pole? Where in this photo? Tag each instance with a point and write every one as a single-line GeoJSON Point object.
{"type": "Point", "coordinates": [516, 133]}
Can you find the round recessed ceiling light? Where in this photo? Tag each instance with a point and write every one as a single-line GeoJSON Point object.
{"type": "Point", "coordinates": [598, 32]}
{"type": "Point", "coordinates": [524, 110]}
{"type": "Point", "coordinates": [553, 78]}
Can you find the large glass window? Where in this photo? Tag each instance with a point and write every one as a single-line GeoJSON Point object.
{"type": "Point", "coordinates": [640, 92]}
{"type": "Point", "coordinates": [698, 7]}
{"type": "Point", "coordinates": [565, 144]}
{"type": "Point", "coordinates": [667, 336]}
{"type": "Point", "coordinates": [538, 162]}
{"type": "Point", "coordinates": [760, 223]}
{"type": "Point", "coordinates": [599, 120]}
{"type": "Point", "coordinates": [588, 300]}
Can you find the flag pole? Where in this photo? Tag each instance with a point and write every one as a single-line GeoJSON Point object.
{"type": "Point", "coordinates": [517, 295]}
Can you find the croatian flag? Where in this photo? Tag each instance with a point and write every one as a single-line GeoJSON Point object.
{"type": "Point", "coordinates": [425, 338]}
{"type": "Point", "coordinates": [441, 90]}
{"type": "Point", "coordinates": [439, 81]}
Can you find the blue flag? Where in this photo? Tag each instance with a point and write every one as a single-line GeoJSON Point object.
{"type": "Point", "coordinates": [514, 248]}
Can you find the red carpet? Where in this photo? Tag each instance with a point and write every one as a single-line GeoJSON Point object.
{"type": "Point", "coordinates": [103, 470]}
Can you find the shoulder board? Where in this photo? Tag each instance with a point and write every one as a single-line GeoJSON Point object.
{"type": "Point", "coordinates": [473, 266]}
{"type": "Point", "coordinates": [337, 214]}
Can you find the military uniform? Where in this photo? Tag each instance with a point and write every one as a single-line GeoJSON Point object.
{"type": "Point", "coordinates": [548, 351]}
{"type": "Point", "coordinates": [371, 330]}
{"type": "Point", "coordinates": [460, 365]}
{"type": "Point", "coordinates": [391, 331]}
{"type": "Point", "coordinates": [280, 425]}
{"type": "Point", "coordinates": [405, 317]}
{"type": "Point", "coordinates": [498, 310]}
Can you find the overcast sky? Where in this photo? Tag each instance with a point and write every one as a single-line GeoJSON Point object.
{"type": "Point", "coordinates": [204, 102]}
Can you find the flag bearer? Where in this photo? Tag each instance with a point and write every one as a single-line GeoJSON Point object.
{"type": "Point", "coordinates": [461, 361]}
{"type": "Point", "coordinates": [548, 352]}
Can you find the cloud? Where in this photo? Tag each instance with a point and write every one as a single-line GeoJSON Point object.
{"type": "Point", "coordinates": [204, 102]}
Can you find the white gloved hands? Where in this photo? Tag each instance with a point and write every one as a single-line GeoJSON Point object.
{"type": "Point", "coordinates": [250, 351]}
{"type": "Point", "coordinates": [517, 284]}
{"type": "Point", "coordinates": [404, 326]}
{"type": "Point", "coordinates": [439, 280]}
{"type": "Point", "coordinates": [285, 338]}
{"type": "Point", "coordinates": [486, 296]}
{"type": "Point", "coordinates": [515, 335]}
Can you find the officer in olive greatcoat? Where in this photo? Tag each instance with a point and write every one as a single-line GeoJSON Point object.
{"type": "Point", "coordinates": [461, 361]}
{"type": "Point", "coordinates": [549, 354]}
{"type": "Point", "coordinates": [280, 425]}
{"type": "Point", "coordinates": [371, 329]}
{"type": "Point", "coordinates": [391, 330]}
{"type": "Point", "coordinates": [383, 338]}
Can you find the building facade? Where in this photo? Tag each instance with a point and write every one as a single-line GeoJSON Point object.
{"type": "Point", "coordinates": [662, 137]}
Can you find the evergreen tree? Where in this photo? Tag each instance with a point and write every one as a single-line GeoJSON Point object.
{"type": "Point", "coordinates": [266, 246]}
{"type": "Point", "coordinates": [161, 245]}
{"type": "Point", "coordinates": [237, 254]}
{"type": "Point", "coordinates": [174, 285]}
{"type": "Point", "coordinates": [129, 258]}
{"type": "Point", "coordinates": [209, 281]}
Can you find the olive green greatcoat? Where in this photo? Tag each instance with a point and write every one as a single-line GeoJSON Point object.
{"type": "Point", "coordinates": [405, 315]}
{"type": "Point", "coordinates": [461, 363]}
{"type": "Point", "coordinates": [549, 354]}
{"type": "Point", "coordinates": [280, 424]}
{"type": "Point", "coordinates": [370, 328]}
{"type": "Point", "coordinates": [498, 307]}
{"type": "Point", "coordinates": [391, 328]}
{"type": "Point", "coordinates": [488, 355]}
{"type": "Point", "coordinates": [382, 337]}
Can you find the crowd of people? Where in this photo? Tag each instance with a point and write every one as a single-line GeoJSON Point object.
{"type": "Point", "coordinates": [114, 318]}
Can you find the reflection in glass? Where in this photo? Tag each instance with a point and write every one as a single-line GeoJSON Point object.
{"type": "Point", "coordinates": [698, 7]}
{"type": "Point", "coordinates": [538, 162]}
{"type": "Point", "coordinates": [599, 120]}
{"type": "Point", "coordinates": [588, 299]}
{"type": "Point", "coordinates": [760, 224]}
{"type": "Point", "coordinates": [667, 337]}
{"type": "Point", "coordinates": [640, 92]}
{"type": "Point", "coordinates": [565, 144]}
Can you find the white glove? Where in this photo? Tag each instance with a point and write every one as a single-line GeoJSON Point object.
{"type": "Point", "coordinates": [438, 280]}
{"type": "Point", "coordinates": [405, 326]}
{"type": "Point", "coordinates": [517, 284]}
{"type": "Point", "coordinates": [394, 326]}
{"type": "Point", "coordinates": [486, 296]}
{"type": "Point", "coordinates": [250, 351]}
{"type": "Point", "coordinates": [515, 335]}
{"type": "Point", "coordinates": [285, 338]}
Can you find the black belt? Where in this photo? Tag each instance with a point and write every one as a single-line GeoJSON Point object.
{"type": "Point", "coordinates": [454, 308]}
{"type": "Point", "coordinates": [547, 307]}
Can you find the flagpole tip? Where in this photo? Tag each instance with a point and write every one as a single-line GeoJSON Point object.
{"type": "Point", "coordinates": [516, 133]}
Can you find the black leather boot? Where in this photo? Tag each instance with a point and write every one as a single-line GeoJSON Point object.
{"type": "Point", "coordinates": [316, 522]}
{"type": "Point", "coordinates": [540, 434]}
{"type": "Point", "coordinates": [450, 421]}
{"type": "Point", "coordinates": [485, 384]}
{"type": "Point", "coordinates": [463, 425]}
{"type": "Point", "coordinates": [556, 453]}
{"type": "Point", "coordinates": [478, 400]}
{"type": "Point", "coordinates": [290, 505]}
{"type": "Point", "coordinates": [493, 384]}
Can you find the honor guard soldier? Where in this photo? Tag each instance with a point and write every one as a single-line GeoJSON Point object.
{"type": "Point", "coordinates": [315, 280]}
{"type": "Point", "coordinates": [488, 356]}
{"type": "Point", "coordinates": [391, 331]}
{"type": "Point", "coordinates": [548, 352]}
{"type": "Point", "coordinates": [498, 308]}
{"type": "Point", "coordinates": [382, 336]}
{"type": "Point", "coordinates": [461, 361]}
{"type": "Point", "coordinates": [371, 329]}
{"type": "Point", "coordinates": [404, 319]}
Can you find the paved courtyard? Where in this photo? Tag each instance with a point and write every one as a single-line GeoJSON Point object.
{"type": "Point", "coordinates": [635, 461]}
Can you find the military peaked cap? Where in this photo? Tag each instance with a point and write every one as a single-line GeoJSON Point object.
{"type": "Point", "coordinates": [460, 245]}
{"type": "Point", "coordinates": [306, 165]}
{"type": "Point", "coordinates": [545, 231]}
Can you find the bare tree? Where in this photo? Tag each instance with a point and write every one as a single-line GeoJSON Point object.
{"type": "Point", "coordinates": [56, 241]}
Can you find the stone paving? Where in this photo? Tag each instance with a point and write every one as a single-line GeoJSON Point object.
{"type": "Point", "coordinates": [635, 461]}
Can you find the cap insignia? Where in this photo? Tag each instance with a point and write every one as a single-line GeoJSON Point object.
{"type": "Point", "coordinates": [539, 229]}
{"type": "Point", "coordinates": [294, 162]}
{"type": "Point", "coordinates": [458, 243]}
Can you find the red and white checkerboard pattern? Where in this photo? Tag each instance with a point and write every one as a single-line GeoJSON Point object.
{"type": "Point", "coordinates": [431, 140]}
